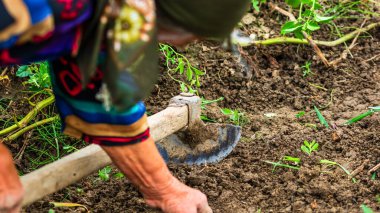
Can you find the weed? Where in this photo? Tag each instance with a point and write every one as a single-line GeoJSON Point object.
{"type": "Point", "coordinates": [104, 174]}
{"type": "Point", "coordinates": [321, 118]}
{"type": "Point", "coordinates": [366, 209]}
{"type": "Point", "coordinates": [308, 20]}
{"type": "Point", "coordinates": [281, 163]}
{"type": "Point", "coordinates": [256, 4]}
{"type": "Point", "coordinates": [332, 163]}
{"type": "Point", "coordinates": [306, 69]}
{"type": "Point", "coordinates": [370, 112]}
{"type": "Point", "coordinates": [300, 114]}
{"type": "Point", "coordinates": [236, 117]}
{"type": "Point", "coordinates": [119, 175]}
{"type": "Point", "coordinates": [309, 147]}
{"type": "Point", "coordinates": [37, 74]}
{"type": "Point", "coordinates": [178, 63]}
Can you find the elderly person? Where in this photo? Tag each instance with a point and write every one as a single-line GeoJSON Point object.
{"type": "Point", "coordinates": [103, 60]}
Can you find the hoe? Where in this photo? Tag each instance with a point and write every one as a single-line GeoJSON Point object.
{"type": "Point", "coordinates": [182, 138]}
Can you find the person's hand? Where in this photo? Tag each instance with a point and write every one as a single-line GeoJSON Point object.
{"type": "Point", "coordinates": [11, 192]}
{"type": "Point", "coordinates": [178, 198]}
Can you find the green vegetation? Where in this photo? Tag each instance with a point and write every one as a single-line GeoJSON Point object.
{"type": "Point", "coordinates": [236, 117]}
{"type": "Point", "coordinates": [321, 118]}
{"type": "Point", "coordinates": [371, 111]}
{"type": "Point", "coordinates": [306, 69]}
{"type": "Point", "coordinates": [104, 174]}
{"type": "Point", "coordinates": [309, 18]}
{"type": "Point", "coordinates": [37, 75]}
{"type": "Point", "coordinates": [309, 147]}
{"type": "Point", "coordinates": [294, 163]}
{"type": "Point", "coordinates": [179, 64]}
{"type": "Point", "coordinates": [256, 4]}
{"type": "Point", "coordinates": [332, 163]}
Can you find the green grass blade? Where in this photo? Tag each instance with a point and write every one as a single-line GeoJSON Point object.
{"type": "Point", "coordinates": [359, 117]}
{"type": "Point", "coordinates": [275, 164]}
{"type": "Point", "coordinates": [366, 209]}
{"type": "Point", "coordinates": [321, 118]}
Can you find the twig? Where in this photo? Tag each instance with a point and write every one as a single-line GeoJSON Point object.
{"type": "Point", "coordinates": [290, 40]}
{"type": "Point", "coordinates": [308, 37]}
{"type": "Point", "coordinates": [29, 116]}
{"type": "Point", "coordinates": [374, 168]}
{"type": "Point", "coordinates": [372, 58]}
{"type": "Point", "coordinates": [30, 127]}
{"type": "Point", "coordinates": [348, 50]}
{"type": "Point", "coordinates": [359, 169]}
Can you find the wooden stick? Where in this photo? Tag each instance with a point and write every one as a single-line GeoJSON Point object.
{"type": "Point", "coordinates": [307, 37]}
{"type": "Point", "coordinates": [82, 163]}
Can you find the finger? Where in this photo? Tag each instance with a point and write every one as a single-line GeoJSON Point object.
{"type": "Point", "coordinates": [205, 209]}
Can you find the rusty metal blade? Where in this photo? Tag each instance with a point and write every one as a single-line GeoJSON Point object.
{"type": "Point", "coordinates": [180, 149]}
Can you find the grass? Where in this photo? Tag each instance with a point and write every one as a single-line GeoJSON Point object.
{"type": "Point", "coordinates": [332, 163]}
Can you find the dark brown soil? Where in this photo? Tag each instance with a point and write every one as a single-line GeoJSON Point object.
{"type": "Point", "coordinates": [243, 182]}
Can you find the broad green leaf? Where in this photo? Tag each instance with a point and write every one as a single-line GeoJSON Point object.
{"type": "Point", "coordinates": [323, 19]}
{"type": "Point", "coordinates": [312, 26]}
{"type": "Point", "coordinates": [290, 26]}
{"type": "Point", "coordinates": [23, 71]}
{"type": "Point", "coordinates": [315, 146]}
{"type": "Point", "coordinates": [198, 72]}
{"type": "Point", "coordinates": [293, 3]}
{"type": "Point", "coordinates": [227, 111]}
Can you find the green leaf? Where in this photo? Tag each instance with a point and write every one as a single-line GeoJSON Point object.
{"type": "Point", "coordinates": [255, 5]}
{"type": "Point", "coordinates": [305, 149]}
{"type": "Point", "coordinates": [315, 146]}
{"type": "Point", "coordinates": [312, 26]}
{"type": "Point", "coordinates": [376, 109]}
{"type": "Point", "coordinates": [293, 3]}
{"type": "Point", "coordinates": [359, 117]}
{"type": "Point", "coordinates": [181, 66]}
{"type": "Point", "coordinates": [23, 71]}
{"type": "Point", "coordinates": [290, 26]}
{"type": "Point", "coordinates": [292, 159]}
{"type": "Point", "coordinates": [328, 162]}
{"type": "Point", "coordinates": [323, 19]}
{"type": "Point", "coordinates": [366, 209]}
{"type": "Point", "coordinates": [321, 118]}
{"type": "Point", "coordinates": [198, 72]}
{"type": "Point", "coordinates": [226, 111]}
{"type": "Point", "coordinates": [189, 74]}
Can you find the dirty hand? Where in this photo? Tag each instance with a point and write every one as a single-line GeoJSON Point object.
{"type": "Point", "coordinates": [178, 198]}
{"type": "Point", "coordinates": [11, 191]}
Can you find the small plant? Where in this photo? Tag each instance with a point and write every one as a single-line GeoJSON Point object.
{"type": "Point", "coordinates": [370, 112]}
{"type": "Point", "coordinates": [366, 209]}
{"type": "Point", "coordinates": [256, 4]}
{"type": "Point", "coordinates": [286, 159]}
{"type": "Point", "coordinates": [306, 69]}
{"type": "Point", "coordinates": [309, 147]}
{"type": "Point", "coordinates": [332, 163]}
{"type": "Point", "coordinates": [37, 73]}
{"type": "Point", "coordinates": [308, 20]}
{"type": "Point", "coordinates": [300, 114]}
{"type": "Point", "coordinates": [119, 175]}
{"type": "Point", "coordinates": [321, 118]}
{"type": "Point", "coordinates": [104, 174]}
{"type": "Point", "coordinates": [236, 117]}
{"type": "Point", "coordinates": [178, 63]}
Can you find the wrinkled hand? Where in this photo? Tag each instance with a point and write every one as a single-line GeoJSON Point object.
{"type": "Point", "coordinates": [11, 191]}
{"type": "Point", "coordinates": [178, 198]}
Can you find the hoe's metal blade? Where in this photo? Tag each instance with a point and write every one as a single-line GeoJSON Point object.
{"type": "Point", "coordinates": [210, 144]}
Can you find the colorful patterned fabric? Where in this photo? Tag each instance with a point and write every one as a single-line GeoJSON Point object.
{"type": "Point", "coordinates": [33, 30]}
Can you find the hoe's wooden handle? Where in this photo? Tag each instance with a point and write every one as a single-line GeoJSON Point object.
{"type": "Point", "coordinates": [84, 162]}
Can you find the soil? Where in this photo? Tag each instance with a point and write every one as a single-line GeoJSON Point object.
{"type": "Point", "coordinates": [270, 99]}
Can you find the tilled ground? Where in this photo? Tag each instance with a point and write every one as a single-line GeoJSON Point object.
{"type": "Point", "coordinates": [243, 182]}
